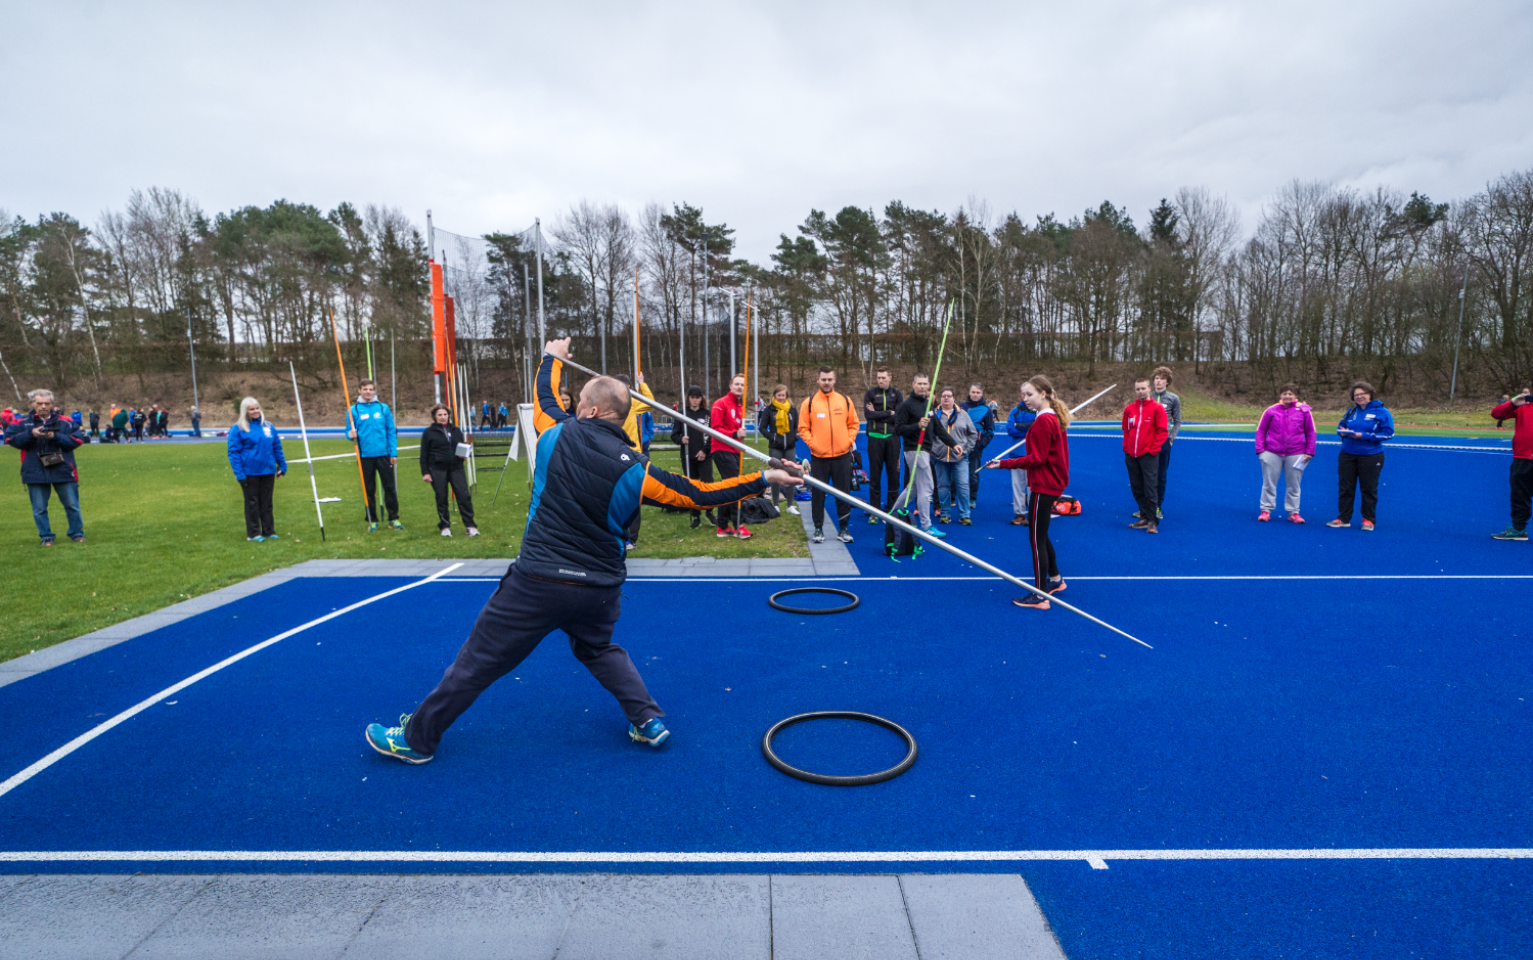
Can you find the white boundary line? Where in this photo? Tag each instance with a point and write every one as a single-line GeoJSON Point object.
{"type": "Point", "coordinates": [1096, 858]}
{"type": "Point", "coordinates": [86, 737]}
{"type": "Point", "coordinates": [1332, 443]}
{"type": "Point", "coordinates": [1304, 576]}
{"type": "Point", "coordinates": [337, 456]}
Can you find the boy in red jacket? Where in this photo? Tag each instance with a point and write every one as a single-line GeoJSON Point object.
{"type": "Point", "coordinates": [1145, 429]}
{"type": "Point", "coordinates": [728, 417]}
{"type": "Point", "coordinates": [1520, 410]}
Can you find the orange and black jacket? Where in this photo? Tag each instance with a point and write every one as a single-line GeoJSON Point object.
{"type": "Point", "coordinates": [587, 485]}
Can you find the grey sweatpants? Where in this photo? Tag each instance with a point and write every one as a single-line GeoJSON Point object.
{"type": "Point", "coordinates": [1019, 492]}
{"type": "Point", "coordinates": [1293, 471]}
{"type": "Point", "coordinates": [921, 462]}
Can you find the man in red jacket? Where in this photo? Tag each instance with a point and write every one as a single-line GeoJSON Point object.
{"type": "Point", "coordinates": [1145, 429]}
{"type": "Point", "coordinates": [728, 417]}
{"type": "Point", "coordinates": [1520, 410]}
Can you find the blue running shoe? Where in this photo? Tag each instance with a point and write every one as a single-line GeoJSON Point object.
{"type": "Point", "coordinates": [272, 536]}
{"type": "Point", "coordinates": [390, 741]}
{"type": "Point", "coordinates": [935, 532]}
{"type": "Point", "coordinates": [251, 539]}
{"type": "Point", "coordinates": [653, 732]}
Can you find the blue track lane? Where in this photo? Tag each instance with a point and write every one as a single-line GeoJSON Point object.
{"type": "Point", "coordinates": [1272, 714]}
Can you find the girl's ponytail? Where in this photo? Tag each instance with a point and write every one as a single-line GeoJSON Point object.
{"type": "Point", "coordinates": [1043, 386]}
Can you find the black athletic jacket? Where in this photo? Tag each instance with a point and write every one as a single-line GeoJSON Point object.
{"type": "Point", "coordinates": [885, 404]}
{"type": "Point", "coordinates": [439, 448]}
{"type": "Point", "coordinates": [587, 486]}
{"type": "Point", "coordinates": [907, 424]}
{"type": "Point", "coordinates": [696, 439]}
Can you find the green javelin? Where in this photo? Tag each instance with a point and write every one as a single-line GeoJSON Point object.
{"type": "Point", "coordinates": [921, 438]}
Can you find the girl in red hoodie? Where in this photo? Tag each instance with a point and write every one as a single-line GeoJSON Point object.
{"type": "Point", "coordinates": [1047, 463]}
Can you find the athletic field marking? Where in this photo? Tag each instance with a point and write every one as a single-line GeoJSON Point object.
{"type": "Point", "coordinates": [140, 707]}
{"type": "Point", "coordinates": [1096, 858]}
{"type": "Point", "coordinates": [1332, 443]}
{"type": "Point", "coordinates": [1296, 576]}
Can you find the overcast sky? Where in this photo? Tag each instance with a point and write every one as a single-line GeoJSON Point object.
{"type": "Point", "coordinates": [491, 114]}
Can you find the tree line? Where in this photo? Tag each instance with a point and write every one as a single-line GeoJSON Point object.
{"type": "Point", "coordinates": [1328, 277]}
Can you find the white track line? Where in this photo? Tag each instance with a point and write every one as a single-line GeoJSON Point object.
{"type": "Point", "coordinates": [140, 707]}
{"type": "Point", "coordinates": [1506, 451]}
{"type": "Point", "coordinates": [1096, 858]}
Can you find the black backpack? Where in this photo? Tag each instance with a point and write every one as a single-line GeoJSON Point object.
{"type": "Point", "coordinates": [899, 542]}
{"type": "Point", "coordinates": [758, 510]}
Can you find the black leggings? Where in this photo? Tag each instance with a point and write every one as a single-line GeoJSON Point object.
{"type": "Point", "coordinates": [258, 520]}
{"type": "Point", "coordinates": [1359, 471]}
{"type": "Point", "coordinates": [455, 478]}
{"type": "Point", "coordinates": [727, 463]}
{"type": "Point", "coordinates": [1040, 508]}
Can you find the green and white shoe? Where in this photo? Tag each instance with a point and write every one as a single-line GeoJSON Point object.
{"type": "Point", "coordinates": [1510, 533]}
{"type": "Point", "coordinates": [390, 741]}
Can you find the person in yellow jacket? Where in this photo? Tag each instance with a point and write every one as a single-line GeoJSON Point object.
{"type": "Point", "coordinates": [635, 411]}
{"type": "Point", "coordinates": [827, 422]}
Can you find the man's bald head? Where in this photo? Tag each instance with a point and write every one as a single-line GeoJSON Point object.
{"type": "Point", "coordinates": [604, 397]}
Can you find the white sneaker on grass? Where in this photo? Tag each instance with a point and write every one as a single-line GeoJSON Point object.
{"type": "Point", "coordinates": [792, 509]}
{"type": "Point", "coordinates": [472, 531]}
{"type": "Point", "coordinates": [447, 531]}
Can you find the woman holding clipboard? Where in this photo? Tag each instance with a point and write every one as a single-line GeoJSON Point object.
{"type": "Point", "coordinates": [442, 464]}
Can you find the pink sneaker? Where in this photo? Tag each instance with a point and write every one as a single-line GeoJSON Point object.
{"type": "Point", "coordinates": [743, 533]}
{"type": "Point", "coordinates": [1295, 518]}
{"type": "Point", "coordinates": [1368, 525]}
{"type": "Point", "coordinates": [1264, 516]}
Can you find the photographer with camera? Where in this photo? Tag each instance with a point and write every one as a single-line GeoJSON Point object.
{"type": "Point", "coordinates": [47, 443]}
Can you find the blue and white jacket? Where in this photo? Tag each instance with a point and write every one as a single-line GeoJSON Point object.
{"type": "Point", "coordinates": [374, 423]}
{"type": "Point", "coordinates": [1375, 424]}
{"type": "Point", "coordinates": [257, 453]}
{"type": "Point", "coordinates": [1018, 422]}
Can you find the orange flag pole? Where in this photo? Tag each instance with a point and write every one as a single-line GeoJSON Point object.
{"type": "Point", "coordinates": [637, 368]}
{"type": "Point", "coordinates": [356, 446]}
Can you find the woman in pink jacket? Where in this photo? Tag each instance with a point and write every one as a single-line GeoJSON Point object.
{"type": "Point", "coordinates": [1285, 442]}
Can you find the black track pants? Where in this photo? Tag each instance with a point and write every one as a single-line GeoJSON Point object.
{"type": "Point", "coordinates": [1143, 473]}
{"type": "Point", "coordinates": [1040, 509]}
{"type": "Point", "coordinates": [378, 467]}
{"type": "Point", "coordinates": [1358, 470]}
{"type": "Point", "coordinates": [838, 472]}
{"type": "Point", "coordinates": [440, 481]}
{"type": "Point", "coordinates": [258, 519]}
{"type": "Point", "coordinates": [522, 612]}
{"type": "Point", "coordinates": [727, 463]}
{"type": "Point", "coordinates": [884, 460]}
{"type": "Point", "coordinates": [1522, 492]}
{"type": "Point", "coordinates": [1160, 482]}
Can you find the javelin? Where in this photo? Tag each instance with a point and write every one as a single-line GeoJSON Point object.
{"type": "Point", "coordinates": [1073, 412]}
{"type": "Point", "coordinates": [796, 470]}
{"type": "Point", "coordinates": [931, 392]}
{"type": "Point", "coordinates": [306, 453]}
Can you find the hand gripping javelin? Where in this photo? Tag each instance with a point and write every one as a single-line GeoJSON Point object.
{"type": "Point", "coordinates": [829, 490]}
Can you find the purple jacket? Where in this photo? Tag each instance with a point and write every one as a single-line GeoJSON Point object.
{"type": "Point", "coordinates": [1286, 431]}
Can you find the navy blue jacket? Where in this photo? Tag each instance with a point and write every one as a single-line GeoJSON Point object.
{"type": "Point", "coordinates": [257, 453]}
{"type": "Point", "coordinates": [586, 487]}
{"type": "Point", "coordinates": [984, 421]}
{"type": "Point", "coordinates": [65, 439]}
{"type": "Point", "coordinates": [1020, 419]}
{"type": "Point", "coordinates": [1375, 424]}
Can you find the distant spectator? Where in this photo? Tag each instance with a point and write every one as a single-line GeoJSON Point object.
{"type": "Point", "coordinates": [828, 425]}
{"type": "Point", "coordinates": [695, 462]}
{"type": "Point", "coordinates": [1160, 380]}
{"type": "Point", "coordinates": [1363, 429]}
{"type": "Point", "coordinates": [255, 453]}
{"type": "Point", "coordinates": [983, 415]}
{"type": "Point", "coordinates": [443, 469]}
{"type": "Point", "coordinates": [502, 416]}
{"type": "Point", "coordinates": [778, 423]}
{"type": "Point", "coordinates": [1017, 424]}
{"type": "Point", "coordinates": [196, 422]}
{"type": "Point", "coordinates": [119, 424]}
{"type": "Point", "coordinates": [138, 418]}
{"type": "Point", "coordinates": [1144, 433]}
{"type": "Point", "coordinates": [1505, 399]}
{"type": "Point", "coordinates": [1285, 443]}
{"type": "Point", "coordinates": [1520, 410]}
{"type": "Point", "coordinates": [47, 443]}
{"type": "Point", "coordinates": [484, 416]}
{"type": "Point", "coordinates": [950, 458]}
{"type": "Point", "coordinates": [95, 425]}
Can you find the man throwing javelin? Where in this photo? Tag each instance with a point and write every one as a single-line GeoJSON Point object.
{"type": "Point", "coordinates": [587, 485]}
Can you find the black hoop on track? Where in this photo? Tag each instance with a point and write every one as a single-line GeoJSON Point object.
{"type": "Point", "coordinates": [828, 780]}
{"type": "Point", "coordinates": [856, 601]}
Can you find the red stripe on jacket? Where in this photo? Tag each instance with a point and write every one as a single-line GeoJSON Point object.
{"type": "Point", "coordinates": [1048, 456]}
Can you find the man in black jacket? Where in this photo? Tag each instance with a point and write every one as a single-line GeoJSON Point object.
{"type": "Point", "coordinates": [881, 403]}
{"type": "Point", "coordinates": [586, 487]}
{"type": "Point", "coordinates": [695, 462]}
{"type": "Point", "coordinates": [915, 427]}
{"type": "Point", "coordinates": [47, 443]}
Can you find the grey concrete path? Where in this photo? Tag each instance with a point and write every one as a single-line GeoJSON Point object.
{"type": "Point", "coordinates": [563, 916]}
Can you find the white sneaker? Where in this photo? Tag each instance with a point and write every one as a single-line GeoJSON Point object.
{"type": "Point", "coordinates": [473, 531]}
{"type": "Point", "coordinates": [447, 531]}
{"type": "Point", "coordinates": [793, 510]}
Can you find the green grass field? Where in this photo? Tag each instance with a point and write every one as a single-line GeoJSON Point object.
{"type": "Point", "coordinates": [165, 522]}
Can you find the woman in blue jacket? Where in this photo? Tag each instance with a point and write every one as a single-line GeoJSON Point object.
{"type": "Point", "coordinates": [255, 453]}
{"type": "Point", "coordinates": [1363, 430]}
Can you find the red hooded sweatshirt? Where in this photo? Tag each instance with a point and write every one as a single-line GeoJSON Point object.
{"type": "Point", "coordinates": [1145, 427]}
{"type": "Point", "coordinates": [1522, 430]}
{"type": "Point", "coordinates": [727, 416]}
{"type": "Point", "coordinates": [1047, 461]}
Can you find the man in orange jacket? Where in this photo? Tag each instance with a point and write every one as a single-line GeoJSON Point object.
{"type": "Point", "coordinates": [828, 423]}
